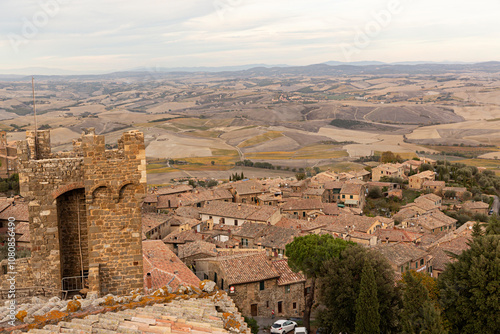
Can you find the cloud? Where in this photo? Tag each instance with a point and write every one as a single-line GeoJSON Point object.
{"type": "Point", "coordinates": [105, 34]}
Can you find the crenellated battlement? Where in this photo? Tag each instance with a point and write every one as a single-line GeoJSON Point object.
{"type": "Point", "coordinates": [85, 209]}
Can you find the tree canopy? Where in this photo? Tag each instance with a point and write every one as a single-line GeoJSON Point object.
{"type": "Point", "coordinates": [367, 314]}
{"type": "Point", "coordinates": [309, 254]}
{"type": "Point", "coordinates": [470, 288]}
{"type": "Point", "coordinates": [420, 314]}
{"type": "Point", "coordinates": [341, 285]}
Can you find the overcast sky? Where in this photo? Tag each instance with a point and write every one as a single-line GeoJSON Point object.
{"type": "Point", "coordinates": [107, 35]}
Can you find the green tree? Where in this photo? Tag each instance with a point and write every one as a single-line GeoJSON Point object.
{"type": "Point", "coordinates": [252, 324]}
{"type": "Point", "coordinates": [309, 254]}
{"type": "Point", "coordinates": [469, 288]}
{"type": "Point", "coordinates": [300, 176]}
{"type": "Point", "coordinates": [419, 312]}
{"type": "Point", "coordinates": [432, 320]}
{"type": "Point", "coordinates": [340, 288]}
{"type": "Point", "coordinates": [450, 194]}
{"type": "Point", "coordinates": [493, 226]}
{"type": "Point", "coordinates": [477, 230]}
{"type": "Point", "coordinates": [212, 162]}
{"type": "Point", "coordinates": [374, 192]}
{"type": "Point", "coordinates": [367, 314]}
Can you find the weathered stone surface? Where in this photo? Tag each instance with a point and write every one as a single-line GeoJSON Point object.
{"type": "Point", "coordinates": [84, 211]}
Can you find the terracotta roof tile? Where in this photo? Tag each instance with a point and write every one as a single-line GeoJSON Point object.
{"type": "Point", "coordinates": [287, 276]}
{"type": "Point", "coordinates": [299, 224]}
{"type": "Point", "coordinates": [23, 228]}
{"type": "Point", "coordinates": [182, 237]}
{"type": "Point", "coordinates": [17, 209]}
{"type": "Point", "coordinates": [195, 248]}
{"type": "Point", "coordinates": [188, 212]}
{"type": "Point", "coordinates": [400, 253]}
{"type": "Point", "coordinates": [331, 209]}
{"type": "Point", "coordinates": [192, 198]}
{"type": "Point", "coordinates": [263, 213]}
{"type": "Point", "coordinates": [151, 198]}
{"type": "Point", "coordinates": [163, 265]}
{"type": "Point", "coordinates": [229, 209]}
{"type": "Point", "coordinates": [314, 191]}
{"type": "Point", "coordinates": [396, 235]}
{"type": "Point", "coordinates": [470, 205]}
{"type": "Point", "coordinates": [276, 237]}
{"type": "Point", "coordinates": [249, 230]}
{"type": "Point", "coordinates": [247, 268]}
{"type": "Point", "coordinates": [248, 187]}
{"type": "Point", "coordinates": [352, 189]}
{"type": "Point", "coordinates": [152, 220]}
{"type": "Point", "coordinates": [302, 204]}
{"type": "Point", "coordinates": [174, 189]}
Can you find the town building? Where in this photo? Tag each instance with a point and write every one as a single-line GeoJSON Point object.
{"type": "Point", "coordinates": [388, 170]}
{"type": "Point", "coordinates": [416, 181]}
{"type": "Point", "coordinates": [257, 285]}
{"type": "Point", "coordinates": [403, 257]}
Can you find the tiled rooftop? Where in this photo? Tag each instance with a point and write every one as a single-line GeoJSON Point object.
{"type": "Point", "coordinates": [400, 253]}
{"type": "Point", "coordinates": [195, 248]}
{"type": "Point", "coordinates": [152, 220]}
{"type": "Point", "coordinates": [174, 189]}
{"type": "Point", "coordinates": [300, 224]}
{"type": "Point", "coordinates": [229, 209]}
{"type": "Point", "coordinates": [194, 197]}
{"type": "Point", "coordinates": [287, 276]}
{"type": "Point", "coordinates": [199, 309]}
{"type": "Point", "coordinates": [248, 187]}
{"type": "Point", "coordinates": [188, 212]}
{"type": "Point", "coordinates": [396, 235]}
{"type": "Point", "coordinates": [352, 189]}
{"type": "Point", "coordinates": [14, 208]}
{"type": "Point", "coordinates": [276, 237]}
{"type": "Point", "coordinates": [247, 268]}
{"type": "Point", "coordinates": [182, 237]}
{"type": "Point", "coordinates": [302, 204]}
{"type": "Point", "coordinates": [249, 230]}
{"type": "Point", "coordinates": [164, 266]}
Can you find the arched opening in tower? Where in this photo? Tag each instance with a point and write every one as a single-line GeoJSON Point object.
{"type": "Point", "coordinates": [73, 235]}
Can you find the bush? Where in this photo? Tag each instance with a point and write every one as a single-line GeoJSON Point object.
{"type": "Point", "coordinates": [374, 192]}
{"type": "Point", "coordinates": [252, 324]}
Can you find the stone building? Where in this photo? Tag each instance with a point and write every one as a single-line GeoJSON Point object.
{"type": "Point", "coordinates": [417, 181]}
{"type": "Point", "coordinates": [388, 170]}
{"type": "Point", "coordinates": [8, 156]}
{"type": "Point", "coordinates": [85, 211]}
{"type": "Point", "coordinates": [256, 284]}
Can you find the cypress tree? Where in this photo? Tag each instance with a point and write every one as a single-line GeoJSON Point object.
{"type": "Point", "coordinates": [476, 230]}
{"type": "Point", "coordinates": [367, 305]}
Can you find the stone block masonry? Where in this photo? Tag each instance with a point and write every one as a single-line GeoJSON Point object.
{"type": "Point", "coordinates": [85, 210]}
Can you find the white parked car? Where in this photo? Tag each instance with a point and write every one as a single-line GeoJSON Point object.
{"type": "Point", "coordinates": [300, 330]}
{"type": "Point", "coordinates": [283, 326]}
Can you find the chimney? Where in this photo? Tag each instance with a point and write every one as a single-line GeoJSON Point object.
{"type": "Point", "coordinates": [149, 281]}
{"type": "Point", "coordinates": [239, 206]}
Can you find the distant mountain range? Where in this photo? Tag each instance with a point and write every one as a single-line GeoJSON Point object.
{"type": "Point", "coordinates": [331, 68]}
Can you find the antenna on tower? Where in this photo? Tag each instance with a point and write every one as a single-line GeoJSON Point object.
{"type": "Point", "coordinates": [34, 112]}
{"type": "Point", "coordinates": [34, 104]}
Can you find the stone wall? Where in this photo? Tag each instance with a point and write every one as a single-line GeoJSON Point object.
{"type": "Point", "coordinates": [248, 294]}
{"type": "Point", "coordinates": [108, 186]}
{"type": "Point", "coordinates": [24, 275]}
{"type": "Point", "coordinates": [268, 299]}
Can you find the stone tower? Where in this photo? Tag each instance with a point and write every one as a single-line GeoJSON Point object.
{"type": "Point", "coordinates": [85, 211]}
